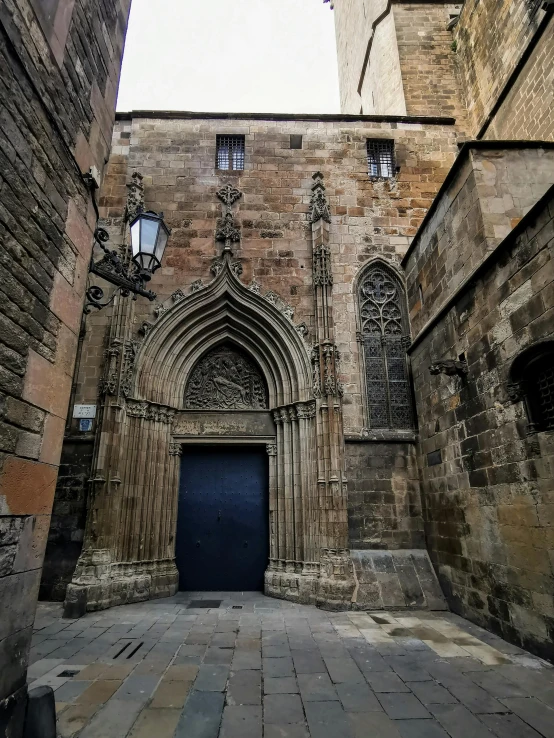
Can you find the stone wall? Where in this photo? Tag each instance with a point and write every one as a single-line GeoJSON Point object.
{"type": "Point", "coordinates": [60, 70]}
{"type": "Point", "coordinates": [486, 483]}
{"type": "Point", "coordinates": [369, 218]}
{"type": "Point", "coordinates": [526, 111]}
{"type": "Point", "coordinates": [397, 58]}
{"type": "Point", "coordinates": [427, 59]}
{"type": "Point", "coordinates": [487, 192]}
{"type": "Point", "coordinates": [491, 38]}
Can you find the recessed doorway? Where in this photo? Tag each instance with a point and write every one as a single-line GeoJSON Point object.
{"type": "Point", "coordinates": [223, 519]}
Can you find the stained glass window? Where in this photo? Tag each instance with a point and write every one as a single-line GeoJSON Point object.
{"type": "Point", "coordinates": [385, 335]}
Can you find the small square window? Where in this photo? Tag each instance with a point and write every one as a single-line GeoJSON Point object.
{"type": "Point", "coordinates": [230, 152]}
{"type": "Point", "coordinates": [295, 141]}
{"type": "Point", "coordinates": [380, 158]}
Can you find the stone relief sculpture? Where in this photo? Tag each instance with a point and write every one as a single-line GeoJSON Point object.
{"type": "Point", "coordinates": [225, 380]}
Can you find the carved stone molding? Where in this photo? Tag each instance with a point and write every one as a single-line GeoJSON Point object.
{"type": "Point", "coordinates": [322, 274]}
{"type": "Point", "coordinates": [135, 197]}
{"type": "Point", "coordinates": [196, 286]}
{"type": "Point", "coordinates": [228, 195]}
{"type": "Point", "coordinates": [319, 208]}
{"type": "Point", "coordinates": [178, 295]}
{"type": "Point", "coordinates": [224, 379]}
{"type": "Point", "coordinates": [175, 448]}
{"type": "Point", "coordinates": [219, 264]}
{"type": "Point", "coordinates": [271, 449]}
{"type": "Point", "coordinates": [108, 383]}
{"type": "Point", "coordinates": [128, 370]}
{"type": "Point", "coordinates": [254, 287]}
{"type": "Point", "coordinates": [145, 328]}
{"type": "Point", "coordinates": [150, 411]}
{"type": "Point", "coordinates": [227, 228]}
{"type": "Point", "coordinates": [160, 310]}
{"type": "Point", "coordinates": [316, 372]}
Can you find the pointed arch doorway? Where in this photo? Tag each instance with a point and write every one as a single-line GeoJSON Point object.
{"type": "Point", "coordinates": [222, 541]}
{"type": "Point", "coordinates": [222, 538]}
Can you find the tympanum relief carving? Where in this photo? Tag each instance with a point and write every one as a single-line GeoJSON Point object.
{"type": "Point", "coordinates": [224, 379]}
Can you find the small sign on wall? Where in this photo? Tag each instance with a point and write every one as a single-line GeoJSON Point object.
{"type": "Point", "coordinates": [85, 425]}
{"type": "Point", "coordinates": [84, 411]}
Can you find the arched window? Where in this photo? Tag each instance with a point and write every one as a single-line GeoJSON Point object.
{"type": "Point", "coordinates": [532, 381]}
{"type": "Point", "coordinates": [385, 336]}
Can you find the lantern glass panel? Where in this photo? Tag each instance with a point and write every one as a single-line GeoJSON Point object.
{"type": "Point", "coordinates": [149, 235]}
{"type": "Point", "coordinates": [135, 238]}
{"type": "Point", "coordinates": [162, 242]}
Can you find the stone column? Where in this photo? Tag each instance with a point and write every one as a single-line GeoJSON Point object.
{"type": "Point", "coordinates": [336, 582]}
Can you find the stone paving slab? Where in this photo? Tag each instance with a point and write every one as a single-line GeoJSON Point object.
{"type": "Point", "coordinates": [273, 669]}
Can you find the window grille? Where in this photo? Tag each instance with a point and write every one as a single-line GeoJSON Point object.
{"type": "Point", "coordinates": [545, 391]}
{"type": "Point", "coordinates": [385, 336]}
{"type": "Point", "coordinates": [532, 381]}
{"type": "Point", "coordinates": [230, 152]}
{"type": "Point", "coordinates": [380, 158]}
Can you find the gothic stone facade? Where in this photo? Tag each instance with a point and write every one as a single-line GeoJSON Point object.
{"type": "Point", "coordinates": [60, 64]}
{"type": "Point", "coordinates": [293, 263]}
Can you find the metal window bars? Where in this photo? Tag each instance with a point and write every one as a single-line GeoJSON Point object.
{"type": "Point", "coordinates": [380, 158]}
{"type": "Point", "coordinates": [230, 152]}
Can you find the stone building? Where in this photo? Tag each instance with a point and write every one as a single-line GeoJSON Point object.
{"type": "Point", "coordinates": [353, 328]}
{"type": "Point", "coordinates": [60, 65]}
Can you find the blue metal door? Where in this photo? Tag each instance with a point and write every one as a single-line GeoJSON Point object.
{"type": "Point", "coordinates": [222, 525]}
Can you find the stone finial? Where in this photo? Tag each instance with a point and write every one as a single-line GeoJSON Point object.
{"type": "Point", "coordinates": [135, 197]}
{"type": "Point", "coordinates": [319, 208]}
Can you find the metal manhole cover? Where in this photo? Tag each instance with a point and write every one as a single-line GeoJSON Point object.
{"type": "Point", "coordinates": [203, 604]}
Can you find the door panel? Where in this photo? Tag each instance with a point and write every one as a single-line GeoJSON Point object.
{"type": "Point", "coordinates": [222, 525]}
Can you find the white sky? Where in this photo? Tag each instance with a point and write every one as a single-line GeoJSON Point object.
{"type": "Point", "coordinates": [239, 56]}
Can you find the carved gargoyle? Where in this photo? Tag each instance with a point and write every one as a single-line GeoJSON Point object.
{"type": "Point", "coordinates": [450, 367]}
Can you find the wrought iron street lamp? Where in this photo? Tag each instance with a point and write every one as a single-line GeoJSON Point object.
{"type": "Point", "coordinates": [149, 235]}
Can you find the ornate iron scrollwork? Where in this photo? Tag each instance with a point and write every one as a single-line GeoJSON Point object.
{"type": "Point", "coordinates": [113, 269]}
{"type": "Point", "coordinates": [225, 380]}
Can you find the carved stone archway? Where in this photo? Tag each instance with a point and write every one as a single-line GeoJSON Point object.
{"type": "Point", "coordinates": [128, 554]}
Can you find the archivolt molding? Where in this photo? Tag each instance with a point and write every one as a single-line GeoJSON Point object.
{"type": "Point", "coordinates": [222, 311]}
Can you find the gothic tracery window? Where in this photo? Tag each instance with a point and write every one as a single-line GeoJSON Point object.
{"type": "Point", "coordinates": [385, 336]}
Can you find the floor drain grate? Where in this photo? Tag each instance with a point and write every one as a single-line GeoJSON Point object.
{"type": "Point", "coordinates": [133, 652]}
{"type": "Point", "coordinates": [237, 607]}
{"type": "Point", "coordinates": [125, 647]}
{"type": "Point", "coordinates": [203, 604]}
{"type": "Point", "coordinates": [69, 673]}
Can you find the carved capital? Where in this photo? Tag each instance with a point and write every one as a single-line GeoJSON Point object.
{"type": "Point", "coordinates": [306, 409]}
{"type": "Point", "coordinates": [271, 449]}
{"type": "Point", "coordinates": [150, 411]}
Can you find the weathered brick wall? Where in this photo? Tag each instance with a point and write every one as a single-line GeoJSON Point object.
{"type": "Point", "coordinates": [177, 158]}
{"type": "Point", "coordinates": [491, 37]}
{"type": "Point", "coordinates": [486, 484]}
{"type": "Point", "coordinates": [527, 110]}
{"type": "Point", "coordinates": [57, 94]}
{"type": "Point", "coordinates": [427, 60]}
{"type": "Point", "coordinates": [384, 507]}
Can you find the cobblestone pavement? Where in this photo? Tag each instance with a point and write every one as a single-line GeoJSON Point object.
{"type": "Point", "coordinates": [255, 666]}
